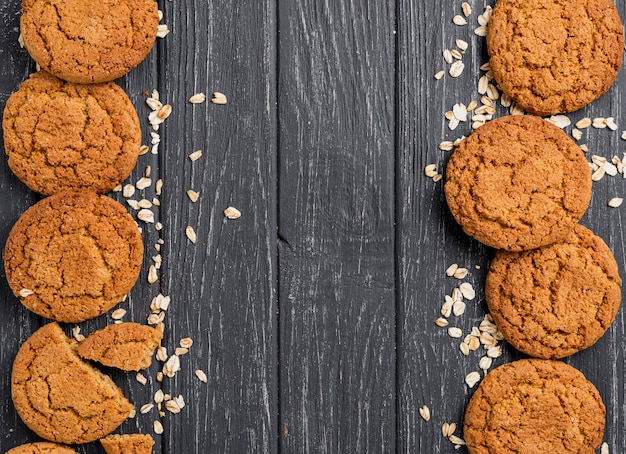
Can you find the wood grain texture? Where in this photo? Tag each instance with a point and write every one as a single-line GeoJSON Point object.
{"type": "Point", "coordinates": [336, 212]}
{"type": "Point", "coordinates": [313, 314]}
{"type": "Point", "coordinates": [223, 287]}
{"type": "Point", "coordinates": [431, 367]}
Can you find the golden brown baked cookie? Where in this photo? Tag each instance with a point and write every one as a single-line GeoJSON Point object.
{"type": "Point", "coordinates": [73, 256]}
{"type": "Point", "coordinates": [59, 135]}
{"type": "Point", "coordinates": [126, 346]}
{"type": "Point", "coordinates": [42, 447]}
{"type": "Point", "coordinates": [128, 444]}
{"type": "Point", "coordinates": [555, 56]}
{"type": "Point", "coordinates": [89, 41]}
{"type": "Point", "coordinates": [556, 300]}
{"type": "Point", "coordinates": [534, 406]}
{"type": "Point", "coordinates": [59, 396]}
{"type": "Point", "coordinates": [517, 183]}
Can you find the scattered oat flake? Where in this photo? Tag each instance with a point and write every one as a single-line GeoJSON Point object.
{"type": "Point", "coordinates": [143, 183]}
{"type": "Point", "coordinates": [26, 292]}
{"type": "Point", "coordinates": [451, 270]}
{"type": "Point", "coordinates": [118, 314]}
{"type": "Point", "coordinates": [201, 376]}
{"type": "Point", "coordinates": [583, 123]}
{"type": "Point", "coordinates": [441, 322]}
{"type": "Point", "coordinates": [141, 378]}
{"type": "Point", "coordinates": [447, 56]}
{"type": "Point", "coordinates": [158, 427]}
{"type": "Point", "coordinates": [195, 155]}
{"type": "Point", "coordinates": [439, 74]}
{"type": "Point", "coordinates": [219, 98]}
{"type": "Point", "coordinates": [424, 412]}
{"type": "Point", "coordinates": [186, 342]}
{"type": "Point", "coordinates": [171, 366]}
{"type": "Point", "coordinates": [456, 440]}
{"type": "Point", "coordinates": [128, 190]}
{"type": "Point", "coordinates": [599, 123]}
{"type": "Point", "coordinates": [458, 308]}
{"type": "Point", "coordinates": [460, 111]}
{"type": "Point", "coordinates": [467, 290]}
{"type": "Point", "coordinates": [467, 9]}
{"type": "Point", "coordinates": [485, 363]}
{"type": "Point", "coordinates": [193, 195]}
{"type": "Point", "coordinates": [446, 145]}
{"type": "Point", "coordinates": [455, 332]}
{"type": "Point", "coordinates": [145, 215]}
{"type": "Point", "coordinates": [76, 334]}
{"type": "Point", "coordinates": [577, 134]}
{"type": "Point", "coordinates": [162, 31]}
{"type": "Point", "coordinates": [191, 234]}
{"type": "Point", "coordinates": [615, 202]}
{"type": "Point", "coordinates": [430, 170]}
{"type": "Point", "coordinates": [464, 348]}
{"type": "Point", "coordinates": [605, 448]}
{"type": "Point", "coordinates": [472, 378]}
{"type": "Point", "coordinates": [152, 274]}
{"type": "Point", "coordinates": [456, 68]}
{"type": "Point", "coordinates": [460, 273]}
{"type": "Point", "coordinates": [459, 20]}
{"type": "Point", "coordinates": [560, 121]}
{"type": "Point", "coordinates": [232, 213]}
{"type": "Point", "coordinates": [197, 98]}
{"type": "Point", "coordinates": [146, 408]}
{"type": "Point", "coordinates": [481, 30]}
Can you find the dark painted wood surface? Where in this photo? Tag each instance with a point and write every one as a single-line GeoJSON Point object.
{"type": "Point", "coordinates": [313, 314]}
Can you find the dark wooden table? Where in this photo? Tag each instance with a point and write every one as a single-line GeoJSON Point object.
{"type": "Point", "coordinates": [313, 314]}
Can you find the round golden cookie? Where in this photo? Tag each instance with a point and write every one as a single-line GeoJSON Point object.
{"type": "Point", "coordinates": [534, 406]}
{"type": "Point", "coordinates": [42, 447]}
{"type": "Point", "coordinates": [60, 397]}
{"type": "Point", "coordinates": [517, 183]}
{"type": "Point", "coordinates": [59, 135]}
{"type": "Point", "coordinates": [555, 56]}
{"type": "Point", "coordinates": [89, 41]}
{"type": "Point", "coordinates": [73, 256]}
{"type": "Point", "coordinates": [556, 300]}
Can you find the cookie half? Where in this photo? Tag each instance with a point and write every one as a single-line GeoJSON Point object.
{"type": "Point", "coordinates": [534, 406]}
{"type": "Point", "coordinates": [60, 136]}
{"type": "Point", "coordinates": [60, 397]}
{"type": "Point", "coordinates": [555, 56]}
{"type": "Point", "coordinates": [73, 256]}
{"type": "Point", "coordinates": [127, 346]}
{"type": "Point", "coordinates": [41, 448]}
{"type": "Point", "coordinates": [517, 183]}
{"type": "Point", "coordinates": [554, 301]}
{"type": "Point", "coordinates": [89, 41]}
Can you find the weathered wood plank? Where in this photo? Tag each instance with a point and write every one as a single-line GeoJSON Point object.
{"type": "Point", "coordinates": [336, 213]}
{"type": "Point", "coordinates": [222, 287]}
{"type": "Point", "coordinates": [431, 367]}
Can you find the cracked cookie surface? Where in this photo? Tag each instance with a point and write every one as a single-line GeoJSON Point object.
{"type": "Point", "coordinates": [41, 448]}
{"type": "Point", "coordinates": [127, 346]}
{"type": "Point", "coordinates": [534, 406]}
{"type": "Point", "coordinates": [59, 135]}
{"type": "Point", "coordinates": [72, 256]}
{"type": "Point", "coordinates": [128, 444]}
{"type": "Point", "coordinates": [59, 396]}
{"type": "Point", "coordinates": [86, 41]}
{"type": "Point", "coordinates": [556, 300]}
{"type": "Point", "coordinates": [517, 183]}
{"type": "Point", "coordinates": [557, 55]}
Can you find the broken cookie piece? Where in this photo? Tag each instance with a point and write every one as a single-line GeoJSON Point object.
{"type": "Point", "coordinates": [127, 346]}
{"type": "Point", "coordinates": [128, 444]}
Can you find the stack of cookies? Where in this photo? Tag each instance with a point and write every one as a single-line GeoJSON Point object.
{"type": "Point", "coordinates": [520, 185]}
{"type": "Point", "coordinates": [72, 135]}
